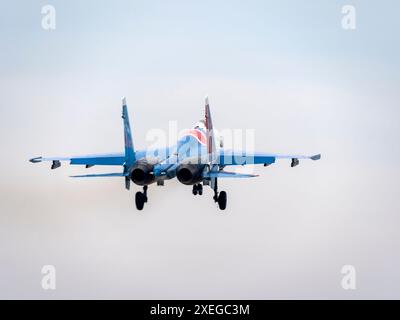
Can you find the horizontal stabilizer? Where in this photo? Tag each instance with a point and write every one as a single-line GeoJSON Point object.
{"type": "Point", "coordinates": [119, 174]}
{"type": "Point", "coordinates": [226, 174]}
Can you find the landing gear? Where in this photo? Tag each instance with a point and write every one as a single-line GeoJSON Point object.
{"type": "Point", "coordinates": [141, 198]}
{"type": "Point", "coordinates": [220, 197]}
{"type": "Point", "coordinates": [197, 189]}
{"type": "Point", "coordinates": [222, 200]}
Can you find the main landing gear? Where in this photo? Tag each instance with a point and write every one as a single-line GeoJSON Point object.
{"type": "Point", "coordinates": [141, 198]}
{"type": "Point", "coordinates": [219, 197]}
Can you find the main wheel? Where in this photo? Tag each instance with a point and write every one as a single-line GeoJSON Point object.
{"type": "Point", "coordinates": [222, 200]}
{"type": "Point", "coordinates": [139, 200]}
{"type": "Point", "coordinates": [200, 189]}
{"type": "Point", "coordinates": [194, 191]}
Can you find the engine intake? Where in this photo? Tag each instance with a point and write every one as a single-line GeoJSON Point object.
{"type": "Point", "coordinates": [189, 173]}
{"type": "Point", "coordinates": [142, 173]}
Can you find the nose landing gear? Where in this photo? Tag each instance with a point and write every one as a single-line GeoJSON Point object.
{"type": "Point", "coordinates": [141, 198]}
{"type": "Point", "coordinates": [197, 189]}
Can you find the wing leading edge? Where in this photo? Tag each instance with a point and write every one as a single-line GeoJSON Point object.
{"type": "Point", "coordinates": [229, 158]}
{"type": "Point", "coordinates": [96, 175]}
{"type": "Point", "coordinates": [112, 159]}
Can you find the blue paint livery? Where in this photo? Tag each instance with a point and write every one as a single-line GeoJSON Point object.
{"type": "Point", "coordinates": [196, 152]}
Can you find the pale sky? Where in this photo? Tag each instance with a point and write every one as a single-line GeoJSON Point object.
{"type": "Point", "coordinates": [286, 69]}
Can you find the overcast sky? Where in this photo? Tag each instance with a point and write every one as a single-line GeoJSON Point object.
{"type": "Point", "coordinates": [286, 69]}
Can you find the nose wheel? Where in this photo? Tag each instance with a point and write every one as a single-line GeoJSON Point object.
{"type": "Point", "coordinates": [141, 198]}
{"type": "Point", "coordinates": [197, 189]}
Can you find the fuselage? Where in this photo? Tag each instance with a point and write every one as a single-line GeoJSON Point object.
{"type": "Point", "coordinates": [185, 160]}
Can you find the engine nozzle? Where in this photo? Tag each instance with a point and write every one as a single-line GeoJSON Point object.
{"type": "Point", "coordinates": [189, 173]}
{"type": "Point", "coordinates": [142, 173]}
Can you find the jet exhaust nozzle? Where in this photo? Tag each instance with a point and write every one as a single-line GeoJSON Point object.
{"type": "Point", "coordinates": [142, 173]}
{"type": "Point", "coordinates": [189, 173]}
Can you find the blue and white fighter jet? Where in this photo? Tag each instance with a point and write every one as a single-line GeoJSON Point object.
{"type": "Point", "coordinates": [197, 159]}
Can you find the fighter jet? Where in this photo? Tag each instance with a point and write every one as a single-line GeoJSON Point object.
{"type": "Point", "coordinates": [198, 159]}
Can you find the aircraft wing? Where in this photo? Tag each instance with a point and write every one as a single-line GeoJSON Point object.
{"type": "Point", "coordinates": [118, 174]}
{"type": "Point", "coordinates": [105, 159]}
{"type": "Point", "coordinates": [227, 158]}
{"type": "Point", "coordinates": [109, 159]}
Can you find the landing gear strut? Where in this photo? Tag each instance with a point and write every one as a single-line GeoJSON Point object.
{"type": "Point", "coordinates": [197, 189]}
{"type": "Point", "coordinates": [219, 197]}
{"type": "Point", "coordinates": [141, 198]}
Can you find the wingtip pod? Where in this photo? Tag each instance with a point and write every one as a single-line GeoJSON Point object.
{"type": "Point", "coordinates": [316, 157]}
{"type": "Point", "coordinates": [36, 160]}
{"type": "Point", "coordinates": [123, 101]}
{"type": "Point", "coordinates": [206, 100]}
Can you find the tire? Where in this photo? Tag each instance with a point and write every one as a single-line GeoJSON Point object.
{"type": "Point", "coordinates": [139, 200]}
{"type": "Point", "coordinates": [222, 200]}
{"type": "Point", "coordinates": [195, 189]}
{"type": "Point", "coordinates": [200, 189]}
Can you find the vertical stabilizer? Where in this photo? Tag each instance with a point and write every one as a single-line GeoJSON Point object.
{"type": "Point", "coordinates": [211, 147]}
{"type": "Point", "coordinates": [129, 149]}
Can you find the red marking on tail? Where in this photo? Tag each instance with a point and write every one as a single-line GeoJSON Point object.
{"type": "Point", "coordinates": [199, 135]}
